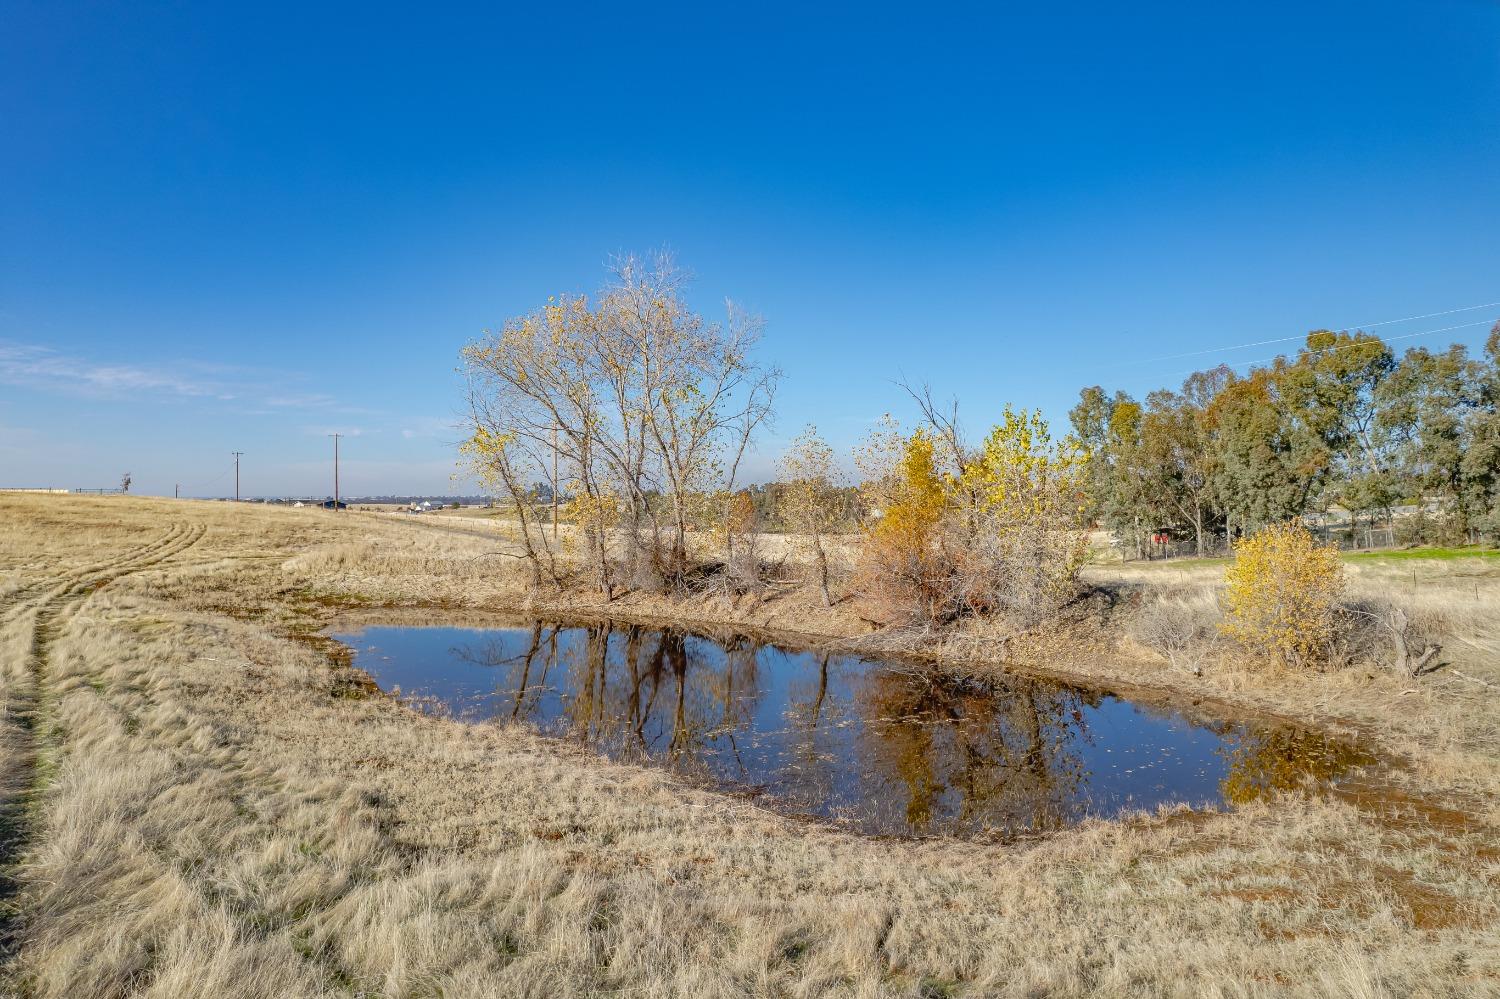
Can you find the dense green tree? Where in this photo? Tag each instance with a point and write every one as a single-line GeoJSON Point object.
{"type": "Point", "coordinates": [1481, 460]}
{"type": "Point", "coordinates": [1264, 473]}
{"type": "Point", "coordinates": [1179, 459]}
{"type": "Point", "coordinates": [1427, 410]}
{"type": "Point", "coordinates": [1332, 400]}
{"type": "Point", "coordinates": [1303, 433]}
{"type": "Point", "coordinates": [1120, 500]}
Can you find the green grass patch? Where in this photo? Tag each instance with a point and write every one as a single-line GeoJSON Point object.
{"type": "Point", "coordinates": [1388, 555]}
{"type": "Point", "coordinates": [1438, 554]}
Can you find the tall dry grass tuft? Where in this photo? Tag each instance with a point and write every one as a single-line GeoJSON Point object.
{"type": "Point", "coordinates": [1182, 625]}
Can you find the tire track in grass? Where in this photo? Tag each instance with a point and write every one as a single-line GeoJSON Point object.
{"type": "Point", "coordinates": [252, 922]}
{"type": "Point", "coordinates": [27, 597]}
{"type": "Point", "coordinates": [29, 746]}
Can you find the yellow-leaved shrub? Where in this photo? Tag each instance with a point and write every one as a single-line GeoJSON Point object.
{"type": "Point", "coordinates": [1282, 602]}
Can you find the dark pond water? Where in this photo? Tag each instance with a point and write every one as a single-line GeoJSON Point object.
{"type": "Point", "coordinates": [882, 747]}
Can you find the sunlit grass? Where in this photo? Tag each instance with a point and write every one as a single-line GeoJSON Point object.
{"type": "Point", "coordinates": [222, 820]}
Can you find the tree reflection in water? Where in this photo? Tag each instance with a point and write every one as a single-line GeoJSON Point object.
{"type": "Point", "coordinates": [1266, 761]}
{"type": "Point", "coordinates": [904, 751]}
{"type": "Point", "coordinates": [886, 748]}
{"type": "Point", "coordinates": [999, 756]}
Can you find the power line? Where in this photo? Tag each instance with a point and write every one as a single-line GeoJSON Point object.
{"type": "Point", "coordinates": [1430, 315]}
{"type": "Point", "coordinates": [213, 481]}
{"type": "Point", "coordinates": [1362, 343]}
{"type": "Point", "coordinates": [1344, 329]}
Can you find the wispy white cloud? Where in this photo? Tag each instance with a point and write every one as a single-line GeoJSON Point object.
{"type": "Point", "coordinates": [429, 426]}
{"type": "Point", "coordinates": [45, 369]}
{"type": "Point", "coordinates": [323, 431]}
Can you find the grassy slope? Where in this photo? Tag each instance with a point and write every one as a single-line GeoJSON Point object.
{"type": "Point", "coordinates": [220, 813]}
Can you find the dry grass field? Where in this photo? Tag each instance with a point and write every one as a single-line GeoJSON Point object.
{"type": "Point", "coordinates": [200, 798]}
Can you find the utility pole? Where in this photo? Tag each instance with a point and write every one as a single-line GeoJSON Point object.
{"type": "Point", "coordinates": [237, 475]}
{"type": "Point", "coordinates": [335, 471]}
{"type": "Point", "coordinates": [177, 491]}
{"type": "Point", "coordinates": [554, 483]}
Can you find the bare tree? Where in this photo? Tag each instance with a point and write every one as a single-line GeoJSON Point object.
{"type": "Point", "coordinates": [648, 403]}
{"type": "Point", "coordinates": [810, 499]}
{"type": "Point", "coordinates": [700, 397]}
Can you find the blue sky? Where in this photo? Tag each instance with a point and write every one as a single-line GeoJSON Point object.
{"type": "Point", "coordinates": [241, 229]}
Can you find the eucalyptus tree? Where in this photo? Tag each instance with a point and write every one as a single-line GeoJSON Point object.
{"type": "Point", "coordinates": [1443, 409]}
{"type": "Point", "coordinates": [1179, 460]}
{"type": "Point", "coordinates": [1333, 399]}
{"type": "Point", "coordinates": [1293, 436]}
{"type": "Point", "coordinates": [1261, 476]}
{"type": "Point", "coordinates": [1120, 498]}
{"type": "Point", "coordinates": [1482, 458]}
{"type": "Point", "coordinates": [1429, 410]}
{"type": "Point", "coordinates": [1341, 421]}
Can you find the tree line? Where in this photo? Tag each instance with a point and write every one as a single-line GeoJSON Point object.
{"type": "Point", "coordinates": [1343, 422]}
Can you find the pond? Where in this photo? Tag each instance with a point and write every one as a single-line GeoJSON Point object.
{"type": "Point", "coordinates": [881, 747]}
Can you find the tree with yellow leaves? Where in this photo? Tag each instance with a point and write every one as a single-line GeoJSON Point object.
{"type": "Point", "coordinates": [638, 397]}
{"type": "Point", "coordinates": [491, 458]}
{"type": "Point", "coordinates": [596, 512]}
{"type": "Point", "coordinates": [1023, 541]}
{"type": "Point", "coordinates": [998, 529]}
{"type": "Point", "coordinates": [904, 571]}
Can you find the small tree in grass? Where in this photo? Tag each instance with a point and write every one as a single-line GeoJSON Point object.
{"type": "Point", "coordinates": [810, 500]}
{"type": "Point", "coordinates": [1283, 596]}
